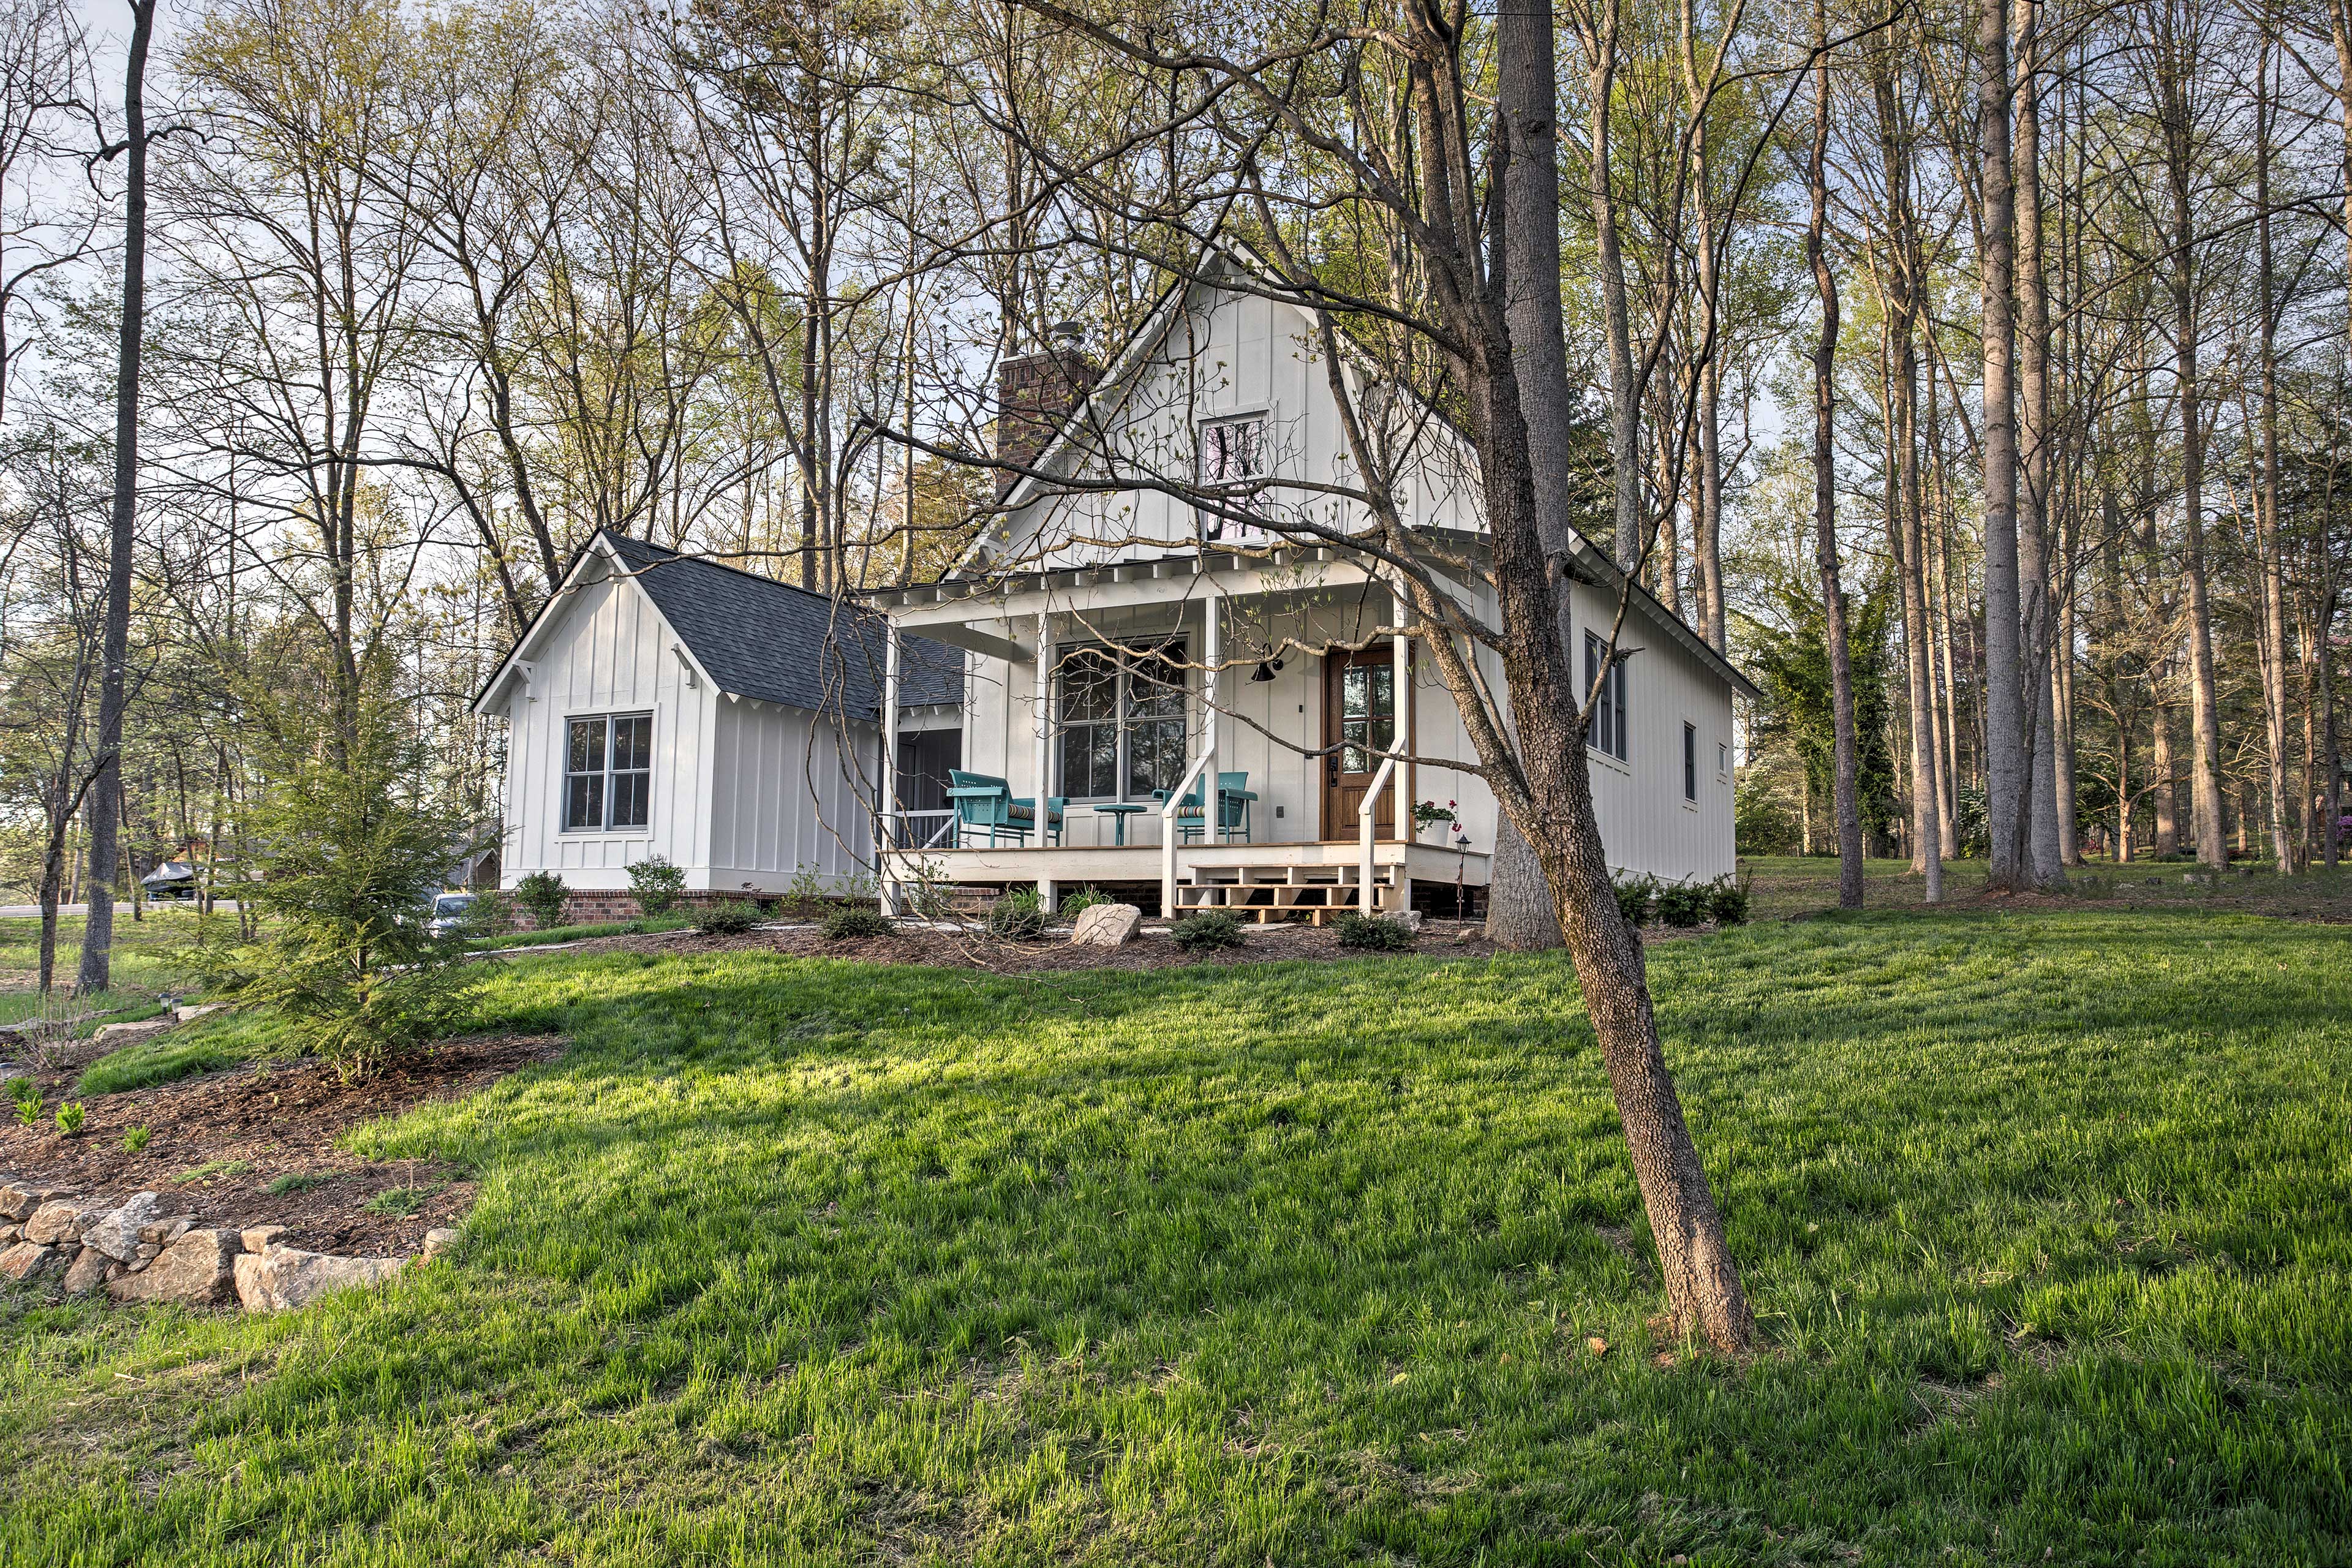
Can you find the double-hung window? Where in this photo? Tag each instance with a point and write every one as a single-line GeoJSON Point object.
{"type": "Point", "coordinates": [608, 772]}
{"type": "Point", "coordinates": [1233, 452]}
{"type": "Point", "coordinates": [1607, 734]}
{"type": "Point", "coordinates": [1690, 761]}
{"type": "Point", "coordinates": [1123, 727]}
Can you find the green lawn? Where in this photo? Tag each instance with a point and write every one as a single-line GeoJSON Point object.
{"type": "Point", "coordinates": [2048, 1218]}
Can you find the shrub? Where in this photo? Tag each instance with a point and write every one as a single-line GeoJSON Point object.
{"type": "Point", "coordinates": [24, 1092]}
{"type": "Point", "coordinates": [28, 1102]}
{"type": "Point", "coordinates": [854, 920]}
{"type": "Point", "coordinates": [1207, 931]}
{"type": "Point", "coordinates": [136, 1137]}
{"type": "Point", "coordinates": [1727, 899]}
{"type": "Point", "coordinates": [1634, 894]}
{"type": "Point", "coordinates": [541, 894]}
{"type": "Point", "coordinates": [1018, 916]}
{"type": "Point", "coordinates": [1371, 934]}
{"type": "Point", "coordinates": [69, 1117]}
{"type": "Point", "coordinates": [1082, 901]}
{"type": "Point", "coordinates": [1685, 904]}
{"type": "Point", "coordinates": [726, 917]}
{"type": "Point", "coordinates": [656, 884]}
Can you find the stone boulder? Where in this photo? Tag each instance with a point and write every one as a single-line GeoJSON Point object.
{"type": "Point", "coordinates": [18, 1201]}
{"type": "Point", "coordinates": [199, 1271]}
{"type": "Point", "coordinates": [438, 1240]}
{"type": "Point", "coordinates": [1107, 925]}
{"type": "Point", "coordinates": [117, 1235]}
{"type": "Point", "coordinates": [29, 1260]}
{"type": "Point", "coordinates": [115, 1036]}
{"type": "Point", "coordinates": [288, 1278]}
{"type": "Point", "coordinates": [54, 1222]}
{"type": "Point", "coordinates": [91, 1268]}
{"type": "Point", "coordinates": [191, 1011]}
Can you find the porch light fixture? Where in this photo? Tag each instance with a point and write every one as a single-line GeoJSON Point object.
{"type": "Point", "coordinates": [1265, 671]}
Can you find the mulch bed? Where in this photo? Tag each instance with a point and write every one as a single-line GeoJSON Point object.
{"type": "Point", "coordinates": [276, 1119]}
{"type": "Point", "coordinates": [976, 950]}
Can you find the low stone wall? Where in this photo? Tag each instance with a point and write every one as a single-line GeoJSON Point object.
{"type": "Point", "coordinates": [134, 1253]}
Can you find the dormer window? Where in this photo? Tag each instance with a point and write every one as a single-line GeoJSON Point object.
{"type": "Point", "coordinates": [1233, 452]}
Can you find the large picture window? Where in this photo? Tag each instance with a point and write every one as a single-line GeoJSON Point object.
{"type": "Point", "coordinates": [608, 762]}
{"type": "Point", "coordinates": [1123, 727]}
{"type": "Point", "coordinates": [1607, 734]}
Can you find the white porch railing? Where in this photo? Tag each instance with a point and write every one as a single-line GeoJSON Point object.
{"type": "Point", "coordinates": [1368, 897]}
{"type": "Point", "coordinates": [908, 833]}
{"type": "Point", "coordinates": [1168, 831]}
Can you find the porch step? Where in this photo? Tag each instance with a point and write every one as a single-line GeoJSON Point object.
{"type": "Point", "coordinates": [1316, 894]}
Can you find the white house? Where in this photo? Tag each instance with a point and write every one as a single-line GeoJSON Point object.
{"type": "Point", "coordinates": [664, 705]}
{"type": "Point", "coordinates": [1123, 649]}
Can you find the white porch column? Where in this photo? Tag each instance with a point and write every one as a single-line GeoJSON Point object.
{"type": "Point", "coordinates": [1401, 782]}
{"type": "Point", "coordinates": [887, 823]}
{"type": "Point", "coordinates": [1044, 758]}
{"type": "Point", "coordinates": [1212, 653]}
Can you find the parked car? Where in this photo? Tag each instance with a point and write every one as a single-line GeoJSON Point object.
{"type": "Point", "coordinates": [451, 911]}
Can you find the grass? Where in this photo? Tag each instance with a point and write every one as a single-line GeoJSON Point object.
{"type": "Point", "coordinates": [207, 1045]}
{"type": "Point", "coordinates": [2047, 1216]}
{"type": "Point", "coordinates": [1787, 885]}
{"type": "Point", "coordinates": [212, 1171]}
{"type": "Point", "coordinates": [293, 1183]}
{"type": "Point", "coordinates": [581, 932]}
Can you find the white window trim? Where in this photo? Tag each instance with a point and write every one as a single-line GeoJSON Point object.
{"type": "Point", "coordinates": [564, 776]}
{"type": "Point", "coordinates": [1232, 533]}
{"type": "Point", "coordinates": [1125, 653]}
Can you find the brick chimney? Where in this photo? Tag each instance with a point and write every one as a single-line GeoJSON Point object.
{"type": "Point", "coordinates": [1034, 392]}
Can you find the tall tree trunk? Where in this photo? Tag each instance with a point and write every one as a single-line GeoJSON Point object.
{"type": "Point", "coordinates": [1703, 1285]}
{"type": "Point", "coordinates": [1825, 545]}
{"type": "Point", "coordinates": [1602, 46]}
{"type": "Point", "coordinates": [1520, 913]}
{"type": "Point", "coordinates": [2204, 705]}
{"type": "Point", "coordinates": [2006, 764]}
{"type": "Point", "coordinates": [2037, 816]}
{"type": "Point", "coordinates": [1906, 532]}
{"type": "Point", "coordinates": [114, 658]}
{"type": "Point", "coordinates": [2267, 543]}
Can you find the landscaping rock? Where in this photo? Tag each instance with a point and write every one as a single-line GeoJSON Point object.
{"type": "Point", "coordinates": [115, 1036]}
{"type": "Point", "coordinates": [438, 1240]}
{"type": "Point", "coordinates": [117, 1234]}
{"type": "Point", "coordinates": [288, 1278]}
{"type": "Point", "coordinates": [163, 1231]}
{"type": "Point", "coordinates": [1105, 925]}
{"type": "Point", "coordinates": [195, 1010]}
{"type": "Point", "coordinates": [91, 1269]}
{"type": "Point", "coordinates": [1410, 919]}
{"type": "Point", "coordinates": [29, 1260]}
{"type": "Point", "coordinates": [11, 1234]}
{"type": "Point", "coordinates": [148, 1252]}
{"type": "Point", "coordinates": [54, 1222]}
{"type": "Point", "coordinates": [258, 1238]}
{"type": "Point", "coordinates": [18, 1201]}
{"type": "Point", "coordinates": [198, 1270]}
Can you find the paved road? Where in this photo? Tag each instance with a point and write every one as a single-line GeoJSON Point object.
{"type": "Point", "coordinates": [32, 911]}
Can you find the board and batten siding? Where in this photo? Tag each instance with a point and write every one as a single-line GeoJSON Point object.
{"type": "Point", "coordinates": [784, 796]}
{"type": "Point", "coordinates": [610, 653]}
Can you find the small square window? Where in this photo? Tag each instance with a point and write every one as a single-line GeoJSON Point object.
{"type": "Point", "coordinates": [1233, 451]}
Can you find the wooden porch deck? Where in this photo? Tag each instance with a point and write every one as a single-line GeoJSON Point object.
{"type": "Point", "coordinates": [1311, 881]}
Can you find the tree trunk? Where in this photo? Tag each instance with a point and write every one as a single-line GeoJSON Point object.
{"type": "Point", "coordinates": [2038, 812]}
{"type": "Point", "coordinates": [2006, 764]}
{"type": "Point", "coordinates": [1702, 1281]}
{"type": "Point", "coordinates": [2267, 544]}
{"type": "Point", "coordinates": [106, 793]}
{"type": "Point", "coordinates": [1825, 545]}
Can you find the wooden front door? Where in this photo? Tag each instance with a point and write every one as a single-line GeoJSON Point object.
{"type": "Point", "coordinates": [1359, 719]}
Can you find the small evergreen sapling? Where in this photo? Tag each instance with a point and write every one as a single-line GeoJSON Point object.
{"type": "Point", "coordinates": [1208, 932]}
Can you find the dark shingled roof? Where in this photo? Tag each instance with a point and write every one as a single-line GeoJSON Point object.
{"type": "Point", "coordinates": [776, 643]}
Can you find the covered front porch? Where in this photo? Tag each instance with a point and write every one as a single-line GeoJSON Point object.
{"type": "Point", "coordinates": [1238, 731]}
